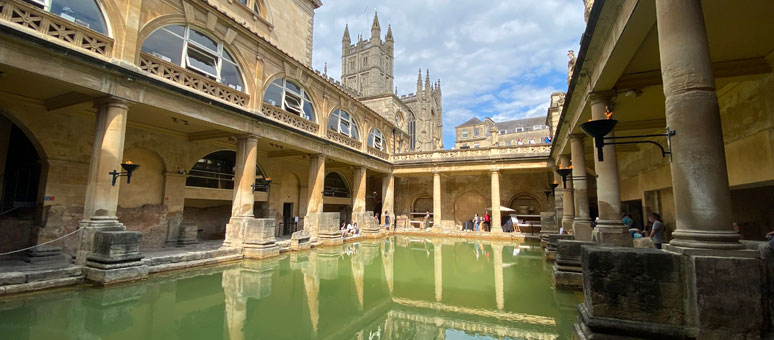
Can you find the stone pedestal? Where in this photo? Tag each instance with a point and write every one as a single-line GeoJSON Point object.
{"type": "Point", "coordinates": [635, 293]}
{"type": "Point", "coordinates": [401, 222]}
{"type": "Point", "coordinates": [300, 240]}
{"type": "Point", "coordinates": [548, 226]}
{"type": "Point", "coordinates": [329, 233]}
{"type": "Point", "coordinates": [188, 234]}
{"type": "Point", "coordinates": [370, 226]}
{"type": "Point", "coordinates": [259, 239]}
{"type": "Point", "coordinates": [612, 235]}
{"type": "Point", "coordinates": [551, 247]}
{"type": "Point", "coordinates": [567, 271]}
{"type": "Point", "coordinates": [582, 229]}
{"type": "Point", "coordinates": [44, 254]}
{"type": "Point", "coordinates": [115, 257]}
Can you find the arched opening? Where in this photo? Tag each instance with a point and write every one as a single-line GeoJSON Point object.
{"type": "Point", "coordinates": [20, 186]}
{"type": "Point", "coordinates": [468, 205]}
{"type": "Point", "coordinates": [342, 122]}
{"type": "Point", "coordinates": [216, 171]}
{"type": "Point", "coordinates": [336, 196]}
{"type": "Point", "coordinates": [86, 13]}
{"type": "Point", "coordinates": [289, 197]}
{"type": "Point", "coordinates": [376, 139]}
{"type": "Point", "coordinates": [335, 186]}
{"type": "Point", "coordinates": [412, 131]}
{"type": "Point", "coordinates": [291, 97]}
{"type": "Point", "coordinates": [525, 204]}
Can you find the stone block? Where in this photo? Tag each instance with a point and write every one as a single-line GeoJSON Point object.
{"type": "Point", "coordinates": [329, 233]}
{"type": "Point", "coordinates": [567, 271]}
{"type": "Point", "coordinates": [582, 230]}
{"type": "Point", "coordinates": [551, 245]}
{"type": "Point", "coordinates": [12, 278]}
{"type": "Point", "coordinates": [548, 222]}
{"type": "Point", "coordinates": [300, 240]}
{"type": "Point", "coordinates": [52, 274]}
{"type": "Point", "coordinates": [115, 247]}
{"type": "Point", "coordinates": [643, 242]}
{"type": "Point", "coordinates": [117, 275]}
{"type": "Point", "coordinates": [633, 284]}
{"type": "Point", "coordinates": [188, 234]}
{"type": "Point", "coordinates": [258, 238]}
{"type": "Point", "coordinates": [44, 254]}
{"type": "Point", "coordinates": [612, 236]}
{"type": "Point", "coordinates": [569, 251]}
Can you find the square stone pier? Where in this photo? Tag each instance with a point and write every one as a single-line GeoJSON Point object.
{"type": "Point", "coordinates": [115, 257]}
{"type": "Point", "coordinates": [551, 246]}
{"type": "Point", "coordinates": [259, 241]}
{"type": "Point", "coordinates": [567, 271]}
{"type": "Point", "coordinates": [329, 233]}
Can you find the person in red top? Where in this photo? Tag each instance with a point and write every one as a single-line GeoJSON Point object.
{"type": "Point", "coordinates": [487, 220]}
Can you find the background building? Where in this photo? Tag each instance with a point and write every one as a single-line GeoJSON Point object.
{"type": "Point", "coordinates": [487, 133]}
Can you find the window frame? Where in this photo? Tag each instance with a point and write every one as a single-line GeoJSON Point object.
{"type": "Point", "coordinates": [353, 130]}
{"type": "Point", "coordinates": [45, 5]}
{"type": "Point", "coordinates": [464, 133]}
{"type": "Point", "coordinates": [302, 98]}
{"type": "Point", "coordinates": [372, 139]}
{"type": "Point", "coordinates": [519, 129]}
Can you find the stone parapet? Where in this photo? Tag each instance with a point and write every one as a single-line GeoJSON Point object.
{"type": "Point", "coordinates": [567, 270]}
{"type": "Point", "coordinates": [551, 246]}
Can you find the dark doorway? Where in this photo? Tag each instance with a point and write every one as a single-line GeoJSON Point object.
{"type": "Point", "coordinates": [288, 220]}
{"type": "Point", "coordinates": [634, 208]}
{"type": "Point", "coordinates": [21, 175]}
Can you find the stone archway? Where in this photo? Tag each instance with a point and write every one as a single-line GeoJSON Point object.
{"type": "Point", "coordinates": [468, 204]}
{"type": "Point", "coordinates": [525, 204]}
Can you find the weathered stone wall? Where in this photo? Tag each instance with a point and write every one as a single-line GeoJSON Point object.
{"type": "Point", "coordinates": [212, 220]}
{"type": "Point", "coordinates": [150, 220]}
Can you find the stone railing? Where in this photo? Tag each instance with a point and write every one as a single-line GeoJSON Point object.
{"type": "Point", "coordinates": [288, 118]}
{"type": "Point", "coordinates": [34, 18]}
{"type": "Point", "coordinates": [177, 74]}
{"type": "Point", "coordinates": [342, 139]}
{"type": "Point", "coordinates": [473, 154]}
{"type": "Point", "coordinates": [378, 153]}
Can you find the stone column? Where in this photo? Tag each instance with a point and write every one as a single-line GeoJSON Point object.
{"type": "Point", "coordinates": [496, 220]}
{"type": "Point", "coordinates": [699, 174]}
{"type": "Point", "coordinates": [581, 224]}
{"type": "Point", "coordinates": [314, 206]}
{"type": "Point", "coordinates": [99, 211]}
{"type": "Point", "coordinates": [558, 205]}
{"type": "Point", "coordinates": [568, 206]}
{"type": "Point", "coordinates": [244, 198]}
{"type": "Point", "coordinates": [437, 201]}
{"type": "Point", "coordinates": [359, 199]}
{"type": "Point", "coordinates": [610, 230]}
{"type": "Point", "coordinates": [497, 253]}
{"type": "Point", "coordinates": [388, 193]}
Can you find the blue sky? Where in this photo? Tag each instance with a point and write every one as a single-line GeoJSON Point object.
{"type": "Point", "coordinates": [495, 58]}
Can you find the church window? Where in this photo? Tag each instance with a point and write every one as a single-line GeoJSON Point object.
{"type": "Point", "coordinates": [290, 97]}
{"type": "Point", "coordinates": [342, 122]}
{"type": "Point", "coordinates": [82, 12]}
{"type": "Point", "coordinates": [195, 51]}
{"type": "Point", "coordinates": [412, 130]}
{"type": "Point", "coordinates": [376, 139]}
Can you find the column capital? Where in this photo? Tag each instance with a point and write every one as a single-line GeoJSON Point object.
{"type": "Point", "coordinates": [248, 136]}
{"type": "Point", "coordinates": [317, 156]}
{"type": "Point", "coordinates": [436, 172]}
{"type": "Point", "coordinates": [564, 160]}
{"type": "Point", "coordinates": [578, 137]}
{"type": "Point", "coordinates": [494, 171]}
{"type": "Point", "coordinates": [112, 101]}
{"type": "Point", "coordinates": [605, 96]}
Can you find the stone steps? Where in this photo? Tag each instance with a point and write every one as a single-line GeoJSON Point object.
{"type": "Point", "coordinates": [191, 259]}
{"type": "Point", "coordinates": [27, 281]}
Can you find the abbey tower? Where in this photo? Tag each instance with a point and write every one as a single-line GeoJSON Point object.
{"type": "Point", "coordinates": [367, 70]}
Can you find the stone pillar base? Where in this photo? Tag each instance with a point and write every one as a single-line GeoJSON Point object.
{"type": "Point", "coordinates": [567, 224]}
{"type": "Point", "coordinates": [329, 233]}
{"type": "Point", "coordinates": [673, 296]}
{"type": "Point", "coordinates": [44, 254]}
{"type": "Point", "coordinates": [612, 235]}
{"type": "Point", "coordinates": [369, 227]}
{"type": "Point", "coordinates": [300, 240]}
{"type": "Point", "coordinates": [567, 271]}
{"type": "Point", "coordinates": [551, 247]}
{"type": "Point", "coordinates": [258, 239]}
{"type": "Point", "coordinates": [581, 229]}
{"type": "Point", "coordinates": [188, 234]}
{"type": "Point", "coordinates": [115, 258]}
{"type": "Point", "coordinates": [86, 238]}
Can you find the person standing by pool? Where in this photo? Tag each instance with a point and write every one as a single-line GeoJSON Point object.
{"type": "Point", "coordinates": [387, 220]}
{"type": "Point", "coordinates": [487, 221]}
{"type": "Point", "coordinates": [476, 222]}
{"type": "Point", "coordinates": [657, 231]}
{"type": "Point", "coordinates": [427, 219]}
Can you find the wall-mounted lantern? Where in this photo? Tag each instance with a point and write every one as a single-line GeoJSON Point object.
{"type": "Point", "coordinates": [599, 128]}
{"type": "Point", "coordinates": [129, 167]}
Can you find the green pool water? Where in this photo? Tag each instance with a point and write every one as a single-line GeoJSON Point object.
{"type": "Point", "coordinates": [396, 288]}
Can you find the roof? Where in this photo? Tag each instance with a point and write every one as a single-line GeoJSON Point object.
{"type": "Point", "coordinates": [526, 123]}
{"type": "Point", "coordinates": [472, 121]}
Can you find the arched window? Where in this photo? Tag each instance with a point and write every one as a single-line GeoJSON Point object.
{"type": "Point", "coordinates": [335, 186]}
{"type": "Point", "coordinates": [216, 170]}
{"type": "Point", "coordinates": [412, 131]}
{"type": "Point", "coordinates": [341, 122]}
{"type": "Point", "coordinates": [399, 120]}
{"type": "Point", "coordinates": [82, 12]}
{"type": "Point", "coordinates": [195, 51]}
{"type": "Point", "coordinates": [376, 139]}
{"type": "Point", "coordinates": [291, 97]}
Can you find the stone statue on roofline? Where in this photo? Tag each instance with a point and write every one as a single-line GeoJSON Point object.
{"type": "Point", "coordinates": [570, 65]}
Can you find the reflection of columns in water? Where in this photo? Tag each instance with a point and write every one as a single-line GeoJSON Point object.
{"type": "Point", "coordinates": [437, 201]}
{"type": "Point", "coordinates": [251, 280]}
{"type": "Point", "coordinates": [359, 192]}
{"type": "Point", "coordinates": [496, 219]}
{"type": "Point", "coordinates": [438, 270]}
{"type": "Point", "coordinates": [497, 252]}
{"type": "Point", "coordinates": [328, 263]}
{"type": "Point", "coordinates": [312, 289]}
{"type": "Point", "coordinates": [387, 256]}
{"type": "Point", "coordinates": [358, 269]}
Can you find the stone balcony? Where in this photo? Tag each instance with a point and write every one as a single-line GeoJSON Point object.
{"type": "Point", "coordinates": [20, 14]}
{"type": "Point", "coordinates": [478, 154]}
{"type": "Point", "coordinates": [288, 118]}
{"type": "Point", "coordinates": [342, 139]}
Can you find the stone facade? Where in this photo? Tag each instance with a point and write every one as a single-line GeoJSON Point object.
{"type": "Point", "coordinates": [487, 133]}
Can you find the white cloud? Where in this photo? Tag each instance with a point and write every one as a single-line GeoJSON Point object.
{"type": "Point", "coordinates": [496, 58]}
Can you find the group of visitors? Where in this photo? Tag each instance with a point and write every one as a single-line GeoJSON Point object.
{"type": "Point", "coordinates": [654, 230]}
{"type": "Point", "coordinates": [482, 222]}
{"type": "Point", "coordinates": [349, 229]}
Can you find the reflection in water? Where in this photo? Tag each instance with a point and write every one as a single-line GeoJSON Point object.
{"type": "Point", "coordinates": [382, 289]}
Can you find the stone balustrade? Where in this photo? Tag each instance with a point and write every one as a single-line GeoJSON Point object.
{"type": "Point", "coordinates": [177, 74]}
{"type": "Point", "coordinates": [493, 153]}
{"type": "Point", "coordinates": [378, 153]}
{"type": "Point", "coordinates": [288, 118]}
{"type": "Point", "coordinates": [31, 17]}
{"type": "Point", "coordinates": [342, 139]}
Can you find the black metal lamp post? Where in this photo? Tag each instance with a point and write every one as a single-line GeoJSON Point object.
{"type": "Point", "coordinates": [599, 128]}
{"type": "Point", "coordinates": [265, 183]}
{"type": "Point", "coordinates": [129, 167]}
{"type": "Point", "coordinates": [564, 173]}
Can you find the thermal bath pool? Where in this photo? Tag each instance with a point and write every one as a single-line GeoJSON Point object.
{"type": "Point", "coordinates": [395, 288]}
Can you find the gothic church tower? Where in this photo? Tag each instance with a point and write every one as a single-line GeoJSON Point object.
{"type": "Point", "coordinates": [367, 66]}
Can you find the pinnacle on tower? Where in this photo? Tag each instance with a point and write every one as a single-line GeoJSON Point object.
{"type": "Point", "coordinates": [346, 34]}
{"type": "Point", "coordinates": [389, 33]}
{"type": "Point", "coordinates": [427, 80]}
{"type": "Point", "coordinates": [419, 82]}
{"type": "Point", "coordinates": [376, 30]}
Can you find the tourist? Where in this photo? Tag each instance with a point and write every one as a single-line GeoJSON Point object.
{"type": "Point", "coordinates": [657, 231]}
{"type": "Point", "coordinates": [356, 228]}
{"type": "Point", "coordinates": [628, 221]}
{"type": "Point", "coordinates": [520, 142]}
{"type": "Point", "coordinates": [427, 220]}
{"type": "Point", "coordinates": [532, 141]}
{"type": "Point", "coordinates": [387, 220]}
{"type": "Point", "coordinates": [487, 221]}
{"type": "Point", "coordinates": [476, 222]}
